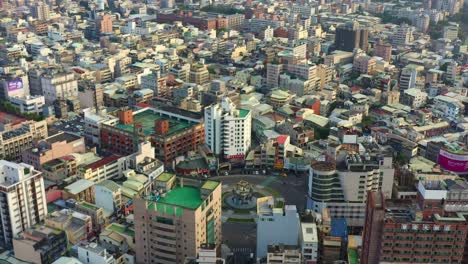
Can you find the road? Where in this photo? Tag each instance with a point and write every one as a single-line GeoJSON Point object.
{"type": "Point", "coordinates": [241, 237]}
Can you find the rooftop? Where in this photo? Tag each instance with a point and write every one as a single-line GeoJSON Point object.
{"type": "Point", "coordinates": [121, 229]}
{"type": "Point", "coordinates": [79, 186]}
{"type": "Point", "coordinates": [187, 196]}
{"type": "Point", "coordinates": [65, 136]}
{"type": "Point", "coordinates": [210, 185]}
{"type": "Point", "coordinates": [102, 162]}
{"type": "Point", "coordinates": [164, 177]}
{"type": "Point", "coordinates": [148, 117]}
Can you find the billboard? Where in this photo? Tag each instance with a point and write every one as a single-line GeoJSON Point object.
{"type": "Point", "coordinates": [15, 84]}
{"type": "Point", "coordinates": [456, 162]}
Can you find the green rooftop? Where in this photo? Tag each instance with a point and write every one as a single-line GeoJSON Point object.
{"type": "Point", "coordinates": [89, 205]}
{"type": "Point", "coordinates": [121, 229]}
{"type": "Point", "coordinates": [164, 177]}
{"type": "Point", "coordinates": [210, 185]}
{"type": "Point", "coordinates": [188, 197]}
{"type": "Point", "coordinates": [352, 256]}
{"type": "Point", "coordinates": [243, 113]}
{"type": "Point", "coordinates": [147, 119]}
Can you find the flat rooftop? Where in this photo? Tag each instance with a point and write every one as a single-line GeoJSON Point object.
{"type": "Point", "coordinates": [187, 196]}
{"type": "Point", "coordinates": [147, 118]}
{"type": "Point", "coordinates": [65, 136]}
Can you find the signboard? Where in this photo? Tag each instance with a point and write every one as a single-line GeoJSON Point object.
{"type": "Point", "coordinates": [16, 84]}
{"type": "Point", "coordinates": [453, 161]}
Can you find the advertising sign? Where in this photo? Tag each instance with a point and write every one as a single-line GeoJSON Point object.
{"type": "Point", "coordinates": [453, 161]}
{"type": "Point", "coordinates": [16, 84]}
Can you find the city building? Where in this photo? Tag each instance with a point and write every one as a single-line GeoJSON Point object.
{"type": "Point", "coordinates": [413, 98]}
{"type": "Point", "coordinates": [40, 245]}
{"type": "Point", "coordinates": [106, 168]}
{"type": "Point", "coordinates": [350, 36]}
{"type": "Point", "coordinates": [53, 147]}
{"type": "Point", "coordinates": [228, 129]}
{"type": "Point", "coordinates": [103, 24]}
{"type": "Point", "coordinates": [199, 74]}
{"type": "Point", "coordinates": [40, 11]}
{"type": "Point", "coordinates": [77, 226]}
{"type": "Point", "coordinates": [20, 209]}
{"type": "Point", "coordinates": [416, 233]}
{"type": "Point", "coordinates": [342, 188]}
{"type": "Point", "coordinates": [276, 226]}
{"type": "Point", "coordinates": [57, 84]}
{"type": "Point", "coordinates": [171, 210]}
{"type": "Point", "coordinates": [173, 132]}
{"type": "Point", "coordinates": [29, 104]}
{"type": "Point", "coordinates": [108, 195]}
{"type": "Point", "coordinates": [383, 50]}
{"type": "Point", "coordinates": [16, 138]}
{"type": "Point", "coordinates": [284, 254]}
{"type": "Point", "coordinates": [408, 78]}
{"type": "Point", "coordinates": [309, 242]}
{"type": "Point", "coordinates": [451, 31]}
{"type": "Point", "coordinates": [94, 253]}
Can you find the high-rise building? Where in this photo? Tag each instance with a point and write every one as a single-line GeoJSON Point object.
{"type": "Point", "coordinates": [383, 50]}
{"type": "Point", "coordinates": [22, 199]}
{"type": "Point", "coordinates": [176, 219]}
{"type": "Point", "coordinates": [342, 188]}
{"type": "Point", "coordinates": [403, 35]}
{"type": "Point", "coordinates": [276, 226]}
{"type": "Point", "coordinates": [451, 31]}
{"type": "Point", "coordinates": [408, 77]}
{"type": "Point", "coordinates": [199, 74]}
{"type": "Point", "coordinates": [40, 245]}
{"type": "Point", "coordinates": [422, 23]}
{"type": "Point", "coordinates": [273, 73]}
{"type": "Point", "coordinates": [167, 4]}
{"type": "Point", "coordinates": [103, 24]}
{"type": "Point", "coordinates": [350, 36]}
{"type": "Point", "coordinates": [57, 84]}
{"type": "Point", "coordinates": [227, 129]}
{"type": "Point", "coordinates": [433, 229]}
{"type": "Point", "coordinates": [41, 11]}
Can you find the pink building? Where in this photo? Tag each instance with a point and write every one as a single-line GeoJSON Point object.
{"type": "Point", "coordinates": [53, 147]}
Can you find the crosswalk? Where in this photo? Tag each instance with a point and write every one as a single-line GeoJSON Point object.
{"type": "Point", "coordinates": [242, 250]}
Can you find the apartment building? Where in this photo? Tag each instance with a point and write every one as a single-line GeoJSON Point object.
{"type": "Point", "coordinates": [58, 84]}
{"type": "Point", "coordinates": [22, 200]}
{"type": "Point", "coordinates": [76, 225]}
{"type": "Point", "coordinates": [276, 226]}
{"type": "Point", "coordinates": [94, 253]}
{"type": "Point", "coordinates": [15, 140]}
{"type": "Point", "coordinates": [228, 129]}
{"type": "Point", "coordinates": [199, 74]}
{"type": "Point", "coordinates": [172, 131]}
{"type": "Point", "coordinates": [106, 168]}
{"type": "Point", "coordinates": [108, 196]}
{"type": "Point", "coordinates": [173, 221]}
{"type": "Point", "coordinates": [283, 254]}
{"type": "Point", "coordinates": [40, 245]}
{"type": "Point", "coordinates": [413, 97]}
{"type": "Point", "coordinates": [342, 188]}
{"type": "Point", "coordinates": [53, 147]}
{"type": "Point", "coordinates": [414, 233]}
{"type": "Point", "coordinates": [309, 243]}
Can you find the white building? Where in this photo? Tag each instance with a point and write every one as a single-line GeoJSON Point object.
{"type": "Point", "coordinates": [283, 254]}
{"type": "Point", "coordinates": [451, 31]}
{"type": "Point", "coordinates": [403, 35]}
{"type": "Point", "coordinates": [106, 168]}
{"type": "Point", "coordinates": [343, 188]}
{"type": "Point", "coordinates": [29, 104]}
{"type": "Point", "coordinates": [94, 254]}
{"type": "Point", "coordinates": [227, 129]}
{"type": "Point", "coordinates": [448, 107]}
{"type": "Point", "coordinates": [408, 78]}
{"type": "Point", "coordinates": [276, 226]}
{"type": "Point", "coordinates": [108, 196]}
{"type": "Point", "coordinates": [22, 199]}
{"type": "Point", "coordinates": [309, 242]}
{"type": "Point", "coordinates": [413, 98]}
{"type": "Point", "coordinates": [59, 86]}
{"type": "Point", "coordinates": [92, 125]}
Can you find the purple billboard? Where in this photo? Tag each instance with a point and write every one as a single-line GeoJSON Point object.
{"type": "Point", "coordinates": [15, 84]}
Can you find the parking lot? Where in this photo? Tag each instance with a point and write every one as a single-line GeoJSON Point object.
{"type": "Point", "coordinates": [74, 124]}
